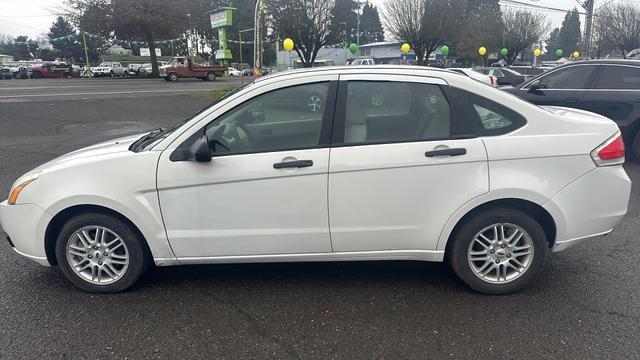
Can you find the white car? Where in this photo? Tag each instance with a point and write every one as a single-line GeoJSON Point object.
{"type": "Point", "coordinates": [451, 169]}
{"type": "Point", "coordinates": [234, 72]}
{"type": "Point", "coordinates": [487, 79]}
{"type": "Point", "coordinates": [111, 69]}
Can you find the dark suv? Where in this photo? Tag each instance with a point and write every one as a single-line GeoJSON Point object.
{"type": "Point", "coordinates": [607, 87]}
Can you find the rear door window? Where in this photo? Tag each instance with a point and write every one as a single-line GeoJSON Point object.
{"type": "Point", "coordinates": [618, 77]}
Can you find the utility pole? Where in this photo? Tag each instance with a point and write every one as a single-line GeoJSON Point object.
{"type": "Point", "coordinates": [588, 29]}
{"type": "Point", "coordinates": [358, 26]}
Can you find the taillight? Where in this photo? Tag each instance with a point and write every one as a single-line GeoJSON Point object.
{"type": "Point", "coordinates": [492, 79]}
{"type": "Point", "coordinates": [611, 152]}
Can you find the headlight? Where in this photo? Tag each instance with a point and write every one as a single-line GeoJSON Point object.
{"type": "Point", "coordinates": [13, 197]}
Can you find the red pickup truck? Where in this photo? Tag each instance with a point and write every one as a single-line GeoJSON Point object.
{"type": "Point", "coordinates": [185, 67]}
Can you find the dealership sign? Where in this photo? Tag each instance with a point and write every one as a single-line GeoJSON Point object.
{"type": "Point", "coordinates": [221, 19]}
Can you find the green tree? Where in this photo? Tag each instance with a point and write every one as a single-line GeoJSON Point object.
{"type": "Point", "coordinates": [344, 22]}
{"type": "Point", "coordinates": [64, 39]}
{"type": "Point", "coordinates": [370, 26]}
{"type": "Point", "coordinates": [570, 35]}
{"type": "Point", "coordinates": [553, 44]}
{"type": "Point", "coordinates": [481, 26]}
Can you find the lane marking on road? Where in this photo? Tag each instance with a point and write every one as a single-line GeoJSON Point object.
{"type": "Point", "coordinates": [105, 93]}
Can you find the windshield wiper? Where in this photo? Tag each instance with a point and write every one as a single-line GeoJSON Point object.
{"type": "Point", "coordinates": [139, 144]}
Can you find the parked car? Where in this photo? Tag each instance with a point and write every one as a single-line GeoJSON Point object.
{"type": "Point", "coordinates": [53, 70]}
{"type": "Point", "coordinates": [247, 72]}
{"type": "Point", "coordinates": [363, 61]}
{"type": "Point", "coordinates": [607, 87]}
{"type": "Point", "coordinates": [234, 72]}
{"type": "Point", "coordinates": [462, 171]}
{"type": "Point", "coordinates": [504, 76]}
{"type": "Point", "coordinates": [111, 69]}
{"type": "Point", "coordinates": [530, 72]}
{"type": "Point", "coordinates": [146, 69]}
{"type": "Point", "coordinates": [476, 75]}
{"type": "Point", "coordinates": [134, 69]}
{"type": "Point", "coordinates": [5, 72]}
{"type": "Point", "coordinates": [186, 67]}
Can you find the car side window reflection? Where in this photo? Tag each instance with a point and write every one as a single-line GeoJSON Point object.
{"type": "Point", "coordinates": [283, 119]}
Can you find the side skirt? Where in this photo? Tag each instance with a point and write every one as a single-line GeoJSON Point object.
{"type": "Point", "coordinates": [419, 255]}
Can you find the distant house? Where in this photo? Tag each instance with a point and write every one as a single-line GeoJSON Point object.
{"type": "Point", "coordinates": [5, 58]}
{"type": "Point", "coordinates": [386, 52]}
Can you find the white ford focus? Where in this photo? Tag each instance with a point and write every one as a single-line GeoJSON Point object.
{"type": "Point", "coordinates": [354, 163]}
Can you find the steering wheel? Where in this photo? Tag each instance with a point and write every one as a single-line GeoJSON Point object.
{"type": "Point", "coordinates": [233, 136]}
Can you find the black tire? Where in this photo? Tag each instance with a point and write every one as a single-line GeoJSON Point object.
{"type": "Point", "coordinates": [635, 147]}
{"type": "Point", "coordinates": [172, 77]}
{"type": "Point", "coordinates": [139, 256]}
{"type": "Point", "coordinates": [457, 253]}
{"type": "Point", "coordinates": [211, 76]}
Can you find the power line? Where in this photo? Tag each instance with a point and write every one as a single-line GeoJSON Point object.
{"type": "Point", "coordinates": [535, 6]}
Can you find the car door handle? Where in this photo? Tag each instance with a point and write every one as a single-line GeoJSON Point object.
{"type": "Point", "coordinates": [446, 152]}
{"type": "Point", "coordinates": [293, 164]}
{"type": "Point", "coordinates": [571, 99]}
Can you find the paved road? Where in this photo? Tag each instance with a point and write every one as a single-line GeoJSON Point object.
{"type": "Point", "coordinates": [585, 305]}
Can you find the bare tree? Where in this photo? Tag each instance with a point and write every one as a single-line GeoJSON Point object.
{"type": "Point", "coordinates": [522, 29]}
{"type": "Point", "coordinates": [306, 22]}
{"type": "Point", "coordinates": [618, 26]}
{"type": "Point", "coordinates": [424, 24]}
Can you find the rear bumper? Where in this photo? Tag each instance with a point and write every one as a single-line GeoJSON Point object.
{"type": "Point", "coordinates": [26, 224]}
{"type": "Point", "coordinates": [590, 206]}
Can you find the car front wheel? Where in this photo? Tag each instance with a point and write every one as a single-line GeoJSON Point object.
{"type": "Point", "coordinates": [100, 253]}
{"type": "Point", "coordinates": [499, 251]}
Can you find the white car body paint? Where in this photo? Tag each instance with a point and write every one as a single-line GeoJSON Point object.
{"type": "Point", "coordinates": [375, 202]}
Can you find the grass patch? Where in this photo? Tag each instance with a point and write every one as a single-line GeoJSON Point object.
{"type": "Point", "coordinates": [218, 93]}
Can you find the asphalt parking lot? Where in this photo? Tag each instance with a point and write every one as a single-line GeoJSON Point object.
{"type": "Point", "coordinates": [585, 304]}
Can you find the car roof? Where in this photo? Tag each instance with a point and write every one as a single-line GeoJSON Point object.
{"type": "Point", "coordinates": [606, 61]}
{"type": "Point", "coordinates": [368, 69]}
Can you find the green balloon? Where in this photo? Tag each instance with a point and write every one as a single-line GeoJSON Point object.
{"type": "Point", "coordinates": [504, 52]}
{"type": "Point", "coordinates": [559, 53]}
{"type": "Point", "coordinates": [444, 50]}
{"type": "Point", "coordinates": [353, 48]}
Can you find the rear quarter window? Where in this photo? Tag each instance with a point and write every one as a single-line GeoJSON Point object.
{"type": "Point", "coordinates": [485, 117]}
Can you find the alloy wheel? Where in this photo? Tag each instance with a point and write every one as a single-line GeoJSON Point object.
{"type": "Point", "coordinates": [97, 255]}
{"type": "Point", "coordinates": [500, 253]}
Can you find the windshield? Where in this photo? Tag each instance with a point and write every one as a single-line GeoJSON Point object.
{"type": "Point", "coordinates": [173, 61]}
{"type": "Point", "coordinates": [104, 64]}
{"type": "Point", "coordinates": [153, 138]}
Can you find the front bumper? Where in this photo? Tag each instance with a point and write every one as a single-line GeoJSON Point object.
{"type": "Point", "coordinates": [26, 224]}
{"type": "Point", "coordinates": [590, 206]}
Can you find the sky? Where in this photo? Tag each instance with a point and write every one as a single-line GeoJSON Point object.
{"type": "Point", "coordinates": [34, 17]}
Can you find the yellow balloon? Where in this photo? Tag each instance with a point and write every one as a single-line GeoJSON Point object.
{"type": "Point", "coordinates": [576, 54]}
{"type": "Point", "coordinates": [288, 44]}
{"type": "Point", "coordinates": [405, 48]}
{"type": "Point", "coordinates": [537, 52]}
{"type": "Point", "coordinates": [482, 51]}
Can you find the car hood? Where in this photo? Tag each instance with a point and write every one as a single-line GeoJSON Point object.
{"type": "Point", "coordinates": [97, 151]}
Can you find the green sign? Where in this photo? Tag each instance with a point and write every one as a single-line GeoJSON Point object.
{"type": "Point", "coordinates": [221, 19]}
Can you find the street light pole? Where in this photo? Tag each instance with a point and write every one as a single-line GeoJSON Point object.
{"type": "Point", "coordinates": [240, 38]}
{"type": "Point", "coordinates": [586, 46]}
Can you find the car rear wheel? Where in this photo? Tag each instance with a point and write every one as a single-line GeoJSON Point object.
{"type": "Point", "coordinates": [499, 251]}
{"type": "Point", "coordinates": [211, 76]}
{"type": "Point", "coordinates": [100, 253]}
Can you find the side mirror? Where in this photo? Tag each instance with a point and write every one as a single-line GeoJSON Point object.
{"type": "Point", "coordinates": [534, 87]}
{"type": "Point", "coordinates": [200, 149]}
{"type": "Point", "coordinates": [192, 150]}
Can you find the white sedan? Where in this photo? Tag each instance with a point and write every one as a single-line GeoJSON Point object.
{"type": "Point", "coordinates": [234, 72]}
{"type": "Point", "coordinates": [451, 169]}
{"type": "Point", "coordinates": [476, 75]}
